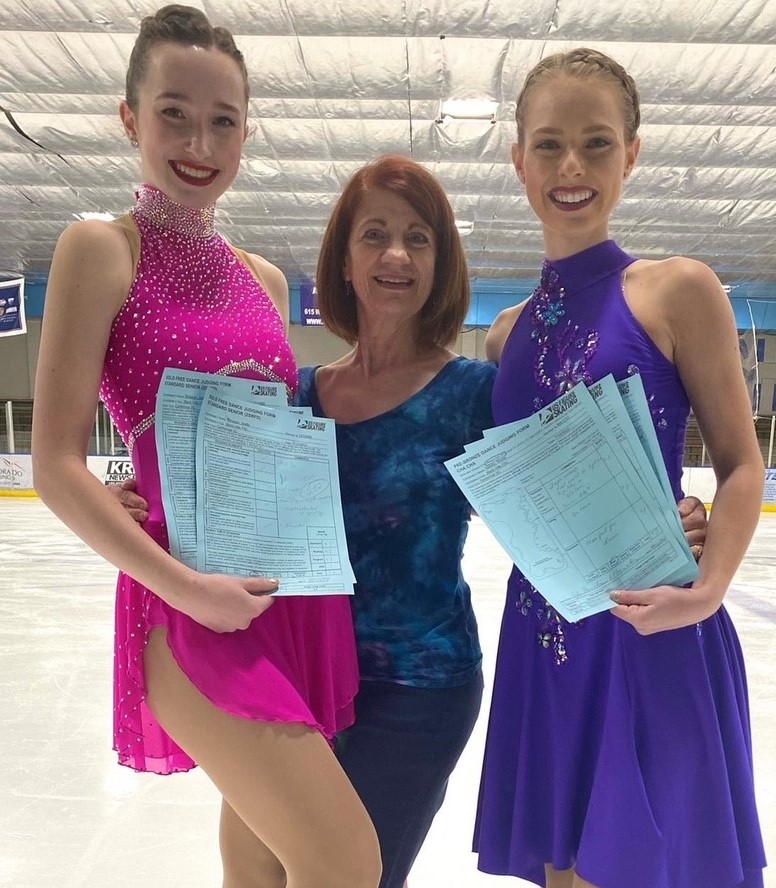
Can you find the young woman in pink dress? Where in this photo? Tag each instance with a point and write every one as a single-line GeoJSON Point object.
{"type": "Point", "coordinates": [209, 669]}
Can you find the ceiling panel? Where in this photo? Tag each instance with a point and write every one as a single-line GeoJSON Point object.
{"type": "Point", "coordinates": [336, 82]}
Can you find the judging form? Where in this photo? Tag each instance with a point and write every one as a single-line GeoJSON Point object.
{"type": "Point", "coordinates": [572, 497]}
{"type": "Point", "coordinates": [269, 502]}
{"type": "Point", "coordinates": [607, 395]}
{"type": "Point", "coordinates": [178, 404]}
{"type": "Point", "coordinates": [635, 401]}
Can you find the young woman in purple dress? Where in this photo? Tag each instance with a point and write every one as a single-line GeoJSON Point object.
{"type": "Point", "coordinates": [618, 752]}
{"type": "Point", "coordinates": [206, 671]}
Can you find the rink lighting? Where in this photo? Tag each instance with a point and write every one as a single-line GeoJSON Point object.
{"type": "Point", "coordinates": [467, 109]}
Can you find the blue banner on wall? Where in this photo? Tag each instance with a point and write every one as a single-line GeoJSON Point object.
{"type": "Point", "coordinates": [308, 305]}
{"type": "Point", "coordinates": [12, 322]}
{"type": "Point", "coordinates": [770, 486]}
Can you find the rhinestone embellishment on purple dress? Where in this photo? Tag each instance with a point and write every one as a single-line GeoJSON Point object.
{"type": "Point", "coordinates": [563, 354]}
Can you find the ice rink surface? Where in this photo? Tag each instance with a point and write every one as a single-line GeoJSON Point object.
{"type": "Point", "coordinates": [71, 818]}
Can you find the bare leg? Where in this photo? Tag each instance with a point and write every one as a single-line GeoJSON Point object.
{"type": "Point", "coordinates": [248, 862]}
{"type": "Point", "coordinates": [564, 878]}
{"type": "Point", "coordinates": [558, 878]}
{"type": "Point", "coordinates": [581, 883]}
{"type": "Point", "coordinates": [282, 780]}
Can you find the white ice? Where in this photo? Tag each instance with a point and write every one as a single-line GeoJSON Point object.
{"type": "Point", "coordinates": [71, 818]}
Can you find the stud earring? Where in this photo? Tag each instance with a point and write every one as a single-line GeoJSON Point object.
{"type": "Point", "coordinates": [133, 142]}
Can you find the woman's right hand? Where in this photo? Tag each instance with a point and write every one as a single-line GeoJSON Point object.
{"type": "Point", "coordinates": [126, 493]}
{"type": "Point", "coordinates": [224, 603]}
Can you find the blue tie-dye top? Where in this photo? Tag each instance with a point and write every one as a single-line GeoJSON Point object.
{"type": "Point", "coordinates": [406, 522]}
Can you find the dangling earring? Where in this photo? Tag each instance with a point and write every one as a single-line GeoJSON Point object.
{"type": "Point", "coordinates": [351, 293]}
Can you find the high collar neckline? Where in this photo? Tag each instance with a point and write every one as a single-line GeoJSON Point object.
{"type": "Point", "coordinates": [584, 268]}
{"type": "Point", "coordinates": [159, 209]}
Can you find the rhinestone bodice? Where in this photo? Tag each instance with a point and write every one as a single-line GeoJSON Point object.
{"type": "Point", "coordinates": [193, 304]}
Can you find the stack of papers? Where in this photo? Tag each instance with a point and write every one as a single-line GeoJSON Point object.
{"type": "Point", "coordinates": [578, 496]}
{"type": "Point", "coordinates": [250, 486]}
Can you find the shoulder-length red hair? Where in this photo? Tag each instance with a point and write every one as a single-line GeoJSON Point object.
{"type": "Point", "coordinates": [442, 316]}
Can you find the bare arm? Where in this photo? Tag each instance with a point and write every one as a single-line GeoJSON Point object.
{"type": "Point", "coordinates": [90, 275]}
{"type": "Point", "coordinates": [701, 331]}
{"type": "Point", "coordinates": [500, 330]}
{"type": "Point", "coordinates": [274, 282]}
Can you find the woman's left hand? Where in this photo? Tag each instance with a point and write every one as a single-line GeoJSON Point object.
{"type": "Point", "coordinates": [664, 607]}
{"type": "Point", "coordinates": [694, 521]}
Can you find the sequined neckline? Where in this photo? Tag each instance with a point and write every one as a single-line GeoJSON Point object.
{"type": "Point", "coordinates": [156, 207]}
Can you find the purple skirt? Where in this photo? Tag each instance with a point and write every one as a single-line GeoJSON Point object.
{"type": "Point", "coordinates": [630, 762]}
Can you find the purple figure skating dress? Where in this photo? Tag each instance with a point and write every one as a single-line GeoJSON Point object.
{"type": "Point", "coordinates": [627, 757]}
{"type": "Point", "coordinates": [196, 304]}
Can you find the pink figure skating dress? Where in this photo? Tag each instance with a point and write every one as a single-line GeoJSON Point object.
{"type": "Point", "coordinates": [196, 304]}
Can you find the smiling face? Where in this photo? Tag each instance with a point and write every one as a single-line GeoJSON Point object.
{"type": "Point", "coordinates": [573, 159]}
{"type": "Point", "coordinates": [189, 121]}
{"type": "Point", "coordinates": [390, 259]}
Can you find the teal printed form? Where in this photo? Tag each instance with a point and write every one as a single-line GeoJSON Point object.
{"type": "Point", "coordinates": [178, 404]}
{"type": "Point", "coordinates": [573, 498]}
{"type": "Point", "coordinates": [268, 497]}
{"type": "Point", "coordinates": [250, 486]}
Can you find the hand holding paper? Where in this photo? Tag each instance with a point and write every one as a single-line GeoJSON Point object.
{"type": "Point", "coordinates": [665, 607]}
{"type": "Point", "coordinates": [250, 486]}
{"type": "Point", "coordinates": [572, 497]}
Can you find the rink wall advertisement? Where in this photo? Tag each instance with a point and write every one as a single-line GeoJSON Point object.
{"type": "Point", "coordinates": [12, 320]}
{"type": "Point", "coordinates": [769, 497]}
{"type": "Point", "coordinates": [16, 472]}
{"type": "Point", "coordinates": [16, 477]}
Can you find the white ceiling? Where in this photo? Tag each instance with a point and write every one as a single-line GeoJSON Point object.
{"type": "Point", "coordinates": [336, 82]}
